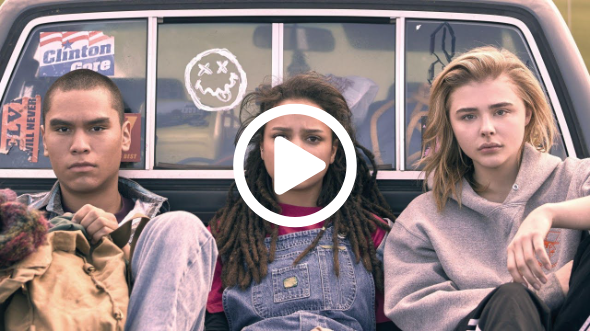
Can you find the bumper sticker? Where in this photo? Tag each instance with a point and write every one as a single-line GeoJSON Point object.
{"type": "Point", "coordinates": [62, 52]}
{"type": "Point", "coordinates": [20, 126]}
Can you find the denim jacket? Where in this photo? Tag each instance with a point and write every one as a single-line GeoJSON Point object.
{"type": "Point", "coordinates": [146, 202]}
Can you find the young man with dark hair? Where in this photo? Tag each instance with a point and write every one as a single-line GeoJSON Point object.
{"type": "Point", "coordinates": [84, 133]}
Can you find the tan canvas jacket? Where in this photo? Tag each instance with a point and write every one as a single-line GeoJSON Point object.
{"type": "Point", "coordinates": [67, 284]}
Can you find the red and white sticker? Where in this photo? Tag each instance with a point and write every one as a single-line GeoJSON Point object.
{"type": "Point", "coordinates": [62, 52]}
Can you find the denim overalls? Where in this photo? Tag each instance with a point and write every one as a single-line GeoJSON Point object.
{"type": "Point", "coordinates": [308, 294]}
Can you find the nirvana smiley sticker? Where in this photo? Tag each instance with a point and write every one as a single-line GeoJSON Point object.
{"type": "Point", "coordinates": [215, 80]}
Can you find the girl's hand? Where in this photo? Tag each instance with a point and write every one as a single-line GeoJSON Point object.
{"type": "Point", "coordinates": [528, 247]}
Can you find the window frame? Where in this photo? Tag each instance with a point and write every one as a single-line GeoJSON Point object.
{"type": "Point", "coordinates": [155, 17]}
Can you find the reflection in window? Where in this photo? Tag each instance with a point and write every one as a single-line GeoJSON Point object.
{"type": "Point", "coordinates": [430, 46]}
{"type": "Point", "coordinates": [116, 49]}
{"type": "Point", "coordinates": [204, 70]}
{"type": "Point", "coordinates": [360, 59]}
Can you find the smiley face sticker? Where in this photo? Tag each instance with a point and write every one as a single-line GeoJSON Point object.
{"type": "Point", "coordinates": [215, 80]}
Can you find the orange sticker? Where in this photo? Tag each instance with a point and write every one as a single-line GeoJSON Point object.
{"type": "Point", "coordinates": [134, 152]}
{"type": "Point", "coordinates": [20, 126]}
{"type": "Point", "coordinates": [552, 245]}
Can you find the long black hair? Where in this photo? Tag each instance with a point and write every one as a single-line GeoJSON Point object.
{"type": "Point", "coordinates": [240, 233]}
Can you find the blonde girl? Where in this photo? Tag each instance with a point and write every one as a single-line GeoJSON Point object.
{"type": "Point", "coordinates": [459, 255]}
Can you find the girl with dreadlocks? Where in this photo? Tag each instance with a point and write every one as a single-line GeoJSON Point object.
{"type": "Point", "coordinates": [273, 277]}
{"type": "Point", "coordinates": [459, 255]}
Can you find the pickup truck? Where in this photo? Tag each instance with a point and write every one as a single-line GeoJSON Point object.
{"type": "Point", "coordinates": [383, 53]}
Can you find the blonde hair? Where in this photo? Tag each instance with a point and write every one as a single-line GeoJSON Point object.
{"type": "Point", "coordinates": [445, 164]}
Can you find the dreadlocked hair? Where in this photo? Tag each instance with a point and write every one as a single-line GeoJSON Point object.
{"type": "Point", "coordinates": [240, 233]}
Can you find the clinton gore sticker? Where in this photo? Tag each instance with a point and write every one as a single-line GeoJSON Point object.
{"type": "Point", "coordinates": [62, 52]}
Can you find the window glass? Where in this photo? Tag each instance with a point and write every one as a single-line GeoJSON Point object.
{"type": "Point", "coordinates": [114, 48]}
{"type": "Point", "coordinates": [360, 58]}
{"type": "Point", "coordinates": [204, 70]}
{"type": "Point", "coordinates": [430, 46]}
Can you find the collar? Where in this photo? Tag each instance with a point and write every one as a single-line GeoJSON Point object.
{"type": "Point", "coordinates": [535, 168]}
{"type": "Point", "coordinates": [52, 202]}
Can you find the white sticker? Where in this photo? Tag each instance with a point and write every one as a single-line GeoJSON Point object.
{"type": "Point", "coordinates": [215, 75]}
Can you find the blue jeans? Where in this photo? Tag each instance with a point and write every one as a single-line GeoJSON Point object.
{"type": "Point", "coordinates": [172, 270]}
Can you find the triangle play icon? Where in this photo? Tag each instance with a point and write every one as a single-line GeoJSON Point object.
{"type": "Point", "coordinates": [293, 165]}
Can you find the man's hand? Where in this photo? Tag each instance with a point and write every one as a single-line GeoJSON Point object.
{"type": "Point", "coordinates": [97, 222]}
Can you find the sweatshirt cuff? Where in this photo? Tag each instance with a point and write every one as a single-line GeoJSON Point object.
{"type": "Point", "coordinates": [551, 292]}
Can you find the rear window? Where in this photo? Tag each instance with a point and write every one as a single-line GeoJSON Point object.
{"type": "Point", "coordinates": [204, 67]}
{"type": "Point", "coordinates": [430, 46]}
{"type": "Point", "coordinates": [204, 71]}
{"type": "Point", "coordinates": [114, 48]}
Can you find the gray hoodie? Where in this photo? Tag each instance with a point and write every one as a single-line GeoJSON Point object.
{"type": "Point", "coordinates": [439, 266]}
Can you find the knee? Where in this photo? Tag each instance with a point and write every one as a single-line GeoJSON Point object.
{"type": "Point", "coordinates": [177, 220]}
{"type": "Point", "coordinates": [179, 224]}
{"type": "Point", "coordinates": [512, 293]}
{"type": "Point", "coordinates": [511, 289]}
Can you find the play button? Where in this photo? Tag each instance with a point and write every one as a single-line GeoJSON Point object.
{"type": "Point", "coordinates": [293, 165]}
